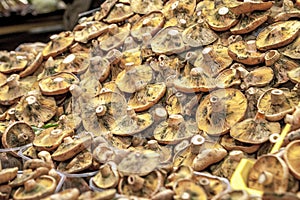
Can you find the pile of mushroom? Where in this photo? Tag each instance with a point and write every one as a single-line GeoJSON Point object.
{"type": "Point", "coordinates": [155, 100]}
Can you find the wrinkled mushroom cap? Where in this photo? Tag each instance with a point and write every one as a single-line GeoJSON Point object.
{"type": "Point", "coordinates": [79, 163]}
{"type": "Point", "coordinates": [269, 173]}
{"type": "Point", "coordinates": [290, 157]}
{"type": "Point", "coordinates": [8, 174]}
{"type": "Point", "coordinates": [75, 63]}
{"type": "Point", "coordinates": [277, 35]}
{"type": "Point", "coordinates": [57, 84]}
{"type": "Point", "coordinates": [119, 13]}
{"type": "Point", "coordinates": [91, 30]}
{"type": "Point", "coordinates": [147, 97]}
{"type": "Point", "coordinates": [58, 44]}
{"type": "Point", "coordinates": [220, 110]}
{"type": "Point", "coordinates": [144, 7]}
{"type": "Point", "coordinates": [36, 189]}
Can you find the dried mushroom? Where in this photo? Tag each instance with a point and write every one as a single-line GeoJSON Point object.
{"type": "Point", "coordinates": [12, 62]}
{"type": "Point", "coordinates": [228, 78]}
{"type": "Point", "coordinates": [36, 189]}
{"type": "Point", "coordinates": [8, 174]}
{"type": "Point", "coordinates": [58, 44]}
{"type": "Point", "coordinates": [150, 23]}
{"type": "Point", "coordinates": [187, 189]}
{"type": "Point", "coordinates": [95, 195]}
{"type": "Point", "coordinates": [291, 158]}
{"type": "Point", "coordinates": [114, 37]}
{"type": "Point", "coordinates": [245, 52]}
{"type": "Point", "coordinates": [68, 194]}
{"type": "Point", "coordinates": [91, 30]}
{"type": "Point", "coordinates": [230, 144]}
{"type": "Point", "coordinates": [277, 35]}
{"type": "Point", "coordinates": [71, 146]}
{"type": "Point", "coordinates": [220, 110]}
{"type": "Point", "coordinates": [249, 6]}
{"type": "Point", "coordinates": [79, 163]}
{"type": "Point", "coordinates": [145, 98]}
{"type": "Point", "coordinates": [145, 7]}
{"type": "Point", "coordinates": [75, 63]}
{"type": "Point", "coordinates": [175, 129]}
{"type": "Point", "coordinates": [119, 12]}
{"type": "Point", "coordinates": [57, 84]}
{"type": "Point", "coordinates": [134, 78]}
{"type": "Point", "coordinates": [165, 153]}
{"type": "Point", "coordinates": [249, 23]}
{"type": "Point", "coordinates": [259, 77]}
{"type": "Point", "coordinates": [139, 163]}
{"type": "Point", "coordinates": [292, 50]}
{"type": "Point", "coordinates": [269, 173]}
{"type": "Point", "coordinates": [17, 134]}
{"type": "Point", "coordinates": [107, 177]}
{"type": "Point", "coordinates": [99, 69]}
{"type": "Point", "coordinates": [27, 175]}
{"type": "Point", "coordinates": [3, 78]}
{"type": "Point", "coordinates": [198, 35]}
{"type": "Point", "coordinates": [5, 191]}
{"type": "Point", "coordinates": [33, 64]}
{"type": "Point", "coordinates": [35, 109]}
{"type": "Point", "coordinates": [275, 103]}
{"type": "Point", "coordinates": [50, 138]}
{"type": "Point", "coordinates": [139, 186]}
{"type": "Point", "coordinates": [294, 75]}
{"type": "Point", "coordinates": [221, 19]}
{"type": "Point", "coordinates": [168, 41]}
{"type": "Point", "coordinates": [236, 195]}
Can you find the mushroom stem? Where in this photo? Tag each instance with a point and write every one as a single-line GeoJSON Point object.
{"type": "Point", "coordinates": [271, 57]}
{"type": "Point", "coordinates": [75, 90]}
{"type": "Point", "coordinates": [273, 138]}
{"type": "Point", "coordinates": [153, 145]}
{"type": "Point", "coordinates": [197, 142]}
{"type": "Point", "coordinates": [175, 120]}
{"type": "Point", "coordinates": [113, 29]}
{"type": "Point", "coordinates": [101, 110]}
{"type": "Point", "coordinates": [22, 137]}
{"type": "Point", "coordinates": [31, 100]}
{"type": "Point", "coordinates": [30, 185]}
{"type": "Point", "coordinates": [159, 114]}
{"type": "Point", "coordinates": [196, 72]}
{"type": "Point", "coordinates": [207, 53]}
{"type": "Point", "coordinates": [223, 11]}
{"type": "Point", "coordinates": [191, 56]}
{"type": "Point", "coordinates": [114, 56]}
{"type": "Point", "coordinates": [11, 113]}
{"type": "Point", "coordinates": [131, 113]}
{"type": "Point", "coordinates": [13, 81]}
{"type": "Point", "coordinates": [251, 46]}
{"type": "Point", "coordinates": [205, 183]}
{"type": "Point", "coordinates": [277, 97]}
{"type": "Point", "coordinates": [241, 72]}
{"type": "Point", "coordinates": [216, 105]}
{"type": "Point", "coordinates": [105, 170]}
{"type": "Point", "coordinates": [68, 140]}
{"type": "Point", "coordinates": [185, 196]}
{"type": "Point", "coordinates": [265, 178]}
{"type": "Point", "coordinates": [236, 155]}
{"type": "Point", "coordinates": [136, 182]}
{"type": "Point", "coordinates": [260, 115]}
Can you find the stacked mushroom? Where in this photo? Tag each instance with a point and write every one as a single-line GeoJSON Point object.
{"type": "Point", "coordinates": [142, 97]}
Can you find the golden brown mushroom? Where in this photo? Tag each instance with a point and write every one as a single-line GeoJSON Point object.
{"type": "Point", "coordinates": [5, 192]}
{"type": "Point", "coordinates": [294, 75]}
{"type": "Point", "coordinates": [277, 35]}
{"type": "Point", "coordinates": [79, 163]}
{"type": "Point", "coordinates": [228, 78]}
{"type": "Point", "coordinates": [36, 189]}
{"type": "Point", "coordinates": [187, 189]}
{"type": "Point", "coordinates": [221, 19]}
{"type": "Point", "coordinates": [57, 84]}
{"type": "Point", "coordinates": [165, 152]}
{"type": "Point", "coordinates": [175, 129]}
{"type": "Point", "coordinates": [249, 6]}
{"type": "Point", "coordinates": [120, 12]}
{"type": "Point", "coordinates": [145, 7]}
{"type": "Point", "coordinates": [269, 173]}
{"type": "Point", "coordinates": [17, 134]}
{"type": "Point", "coordinates": [72, 146]}
{"type": "Point", "coordinates": [292, 50]}
{"type": "Point", "coordinates": [13, 62]}
{"type": "Point", "coordinates": [231, 144]}
{"type": "Point", "coordinates": [95, 195]}
{"type": "Point", "coordinates": [236, 195]}
{"type": "Point", "coordinates": [8, 174]}
{"type": "Point", "coordinates": [58, 44]}
{"type": "Point", "coordinates": [76, 63]}
{"type": "Point", "coordinates": [35, 109]}
{"type": "Point", "coordinates": [68, 194]}
{"type": "Point", "coordinates": [107, 177]}
{"type": "Point", "coordinates": [91, 30]}
{"type": "Point", "coordinates": [290, 157]}
{"type": "Point", "coordinates": [220, 110]}
{"type": "Point", "coordinates": [105, 8]}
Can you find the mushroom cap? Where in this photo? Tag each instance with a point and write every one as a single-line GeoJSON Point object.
{"type": "Point", "coordinates": [99, 69]}
{"type": "Point", "coordinates": [249, 23]}
{"type": "Point", "coordinates": [230, 144]}
{"type": "Point", "coordinates": [292, 50]}
{"type": "Point", "coordinates": [272, 166]}
{"type": "Point", "coordinates": [277, 35]}
{"type": "Point", "coordinates": [114, 37]}
{"type": "Point", "coordinates": [168, 41]}
{"type": "Point", "coordinates": [91, 30]}
{"type": "Point", "coordinates": [290, 156]}
{"type": "Point", "coordinates": [42, 187]}
{"type": "Point", "coordinates": [35, 109]}
{"type": "Point", "coordinates": [221, 19]}
{"type": "Point", "coordinates": [238, 51]}
{"type": "Point", "coordinates": [33, 64]}
{"type": "Point", "coordinates": [3, 78]}
{"type": "Point", "coordinates": [8, 174]}
{"type": "Point", "coordinates": [282, 67]}
{"type": "Point", "coordinates": [274, 112]}
{"type": "Point", "coordinates": [227, 79]}
{"type": "Point", "coordinates": [236, 195]}
{"type": "Point", "coordinates": [115, 105]}
{"type": "Point", "coordinates": [294, 75]}
{"type": "Point", "coordinates": [230, 108]}
{"type": "Point", "coordinates": [254, 131]}
{"type": "Point", "coordinates": [198, 35]}
{"type": "Point", "coordinates": [79, 163]}
{"type": "Point", "coordinates": [69, 148]}
{"type": "Point", "coordinates": [127, 125]}
{"type": "Point", "coordinates": [139, 163]}
{"type": "Point", "coordinates": [17, 134]}
{"type": "Point", "coordinates": [174, 105]}
{"type": "Point", "coordinates": [67, 194]}
{"type": "Point", "coordinates": [58, 44]}
{"type": "Point", "coordinates": [119, 13]}
{"type": "Point", "coordinates": [134, 79]}
{"type": "Point", "coordinates": [75, 63]}
{"type": "Point", "coordinates": [145, 7]}
{"type": "Point", "coordinates": [107, 177]}
{"type": "Point", "coordinates": [58, 83]}
{"type": "Point", "coordinates": [34, 48]}
{"type": "Point", "coordinates": [103, 195]}
{"type": "Point", "coordinates": [5, 192]}
{"type": "Point", "coordinates": [145, 98]}
{"type": "Point", "coordinates": [188, 189]}
{"type": "Point", "coordinates": [174, 130]}
{"type": "Point", "coordinates": [105, 8]}
{"type": "Point", "coordinates": [149, 23]}
{"type": "Point", "coordinates": [152, 182]}
{"type": "Point", "coordinates": [259, 77]}
{"type": "Point", "coordinates": [50, 138]}
{"type": "Point", "coordinates": [13, 62]}
{"type": "Point", "coordinates": [249, 6]}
